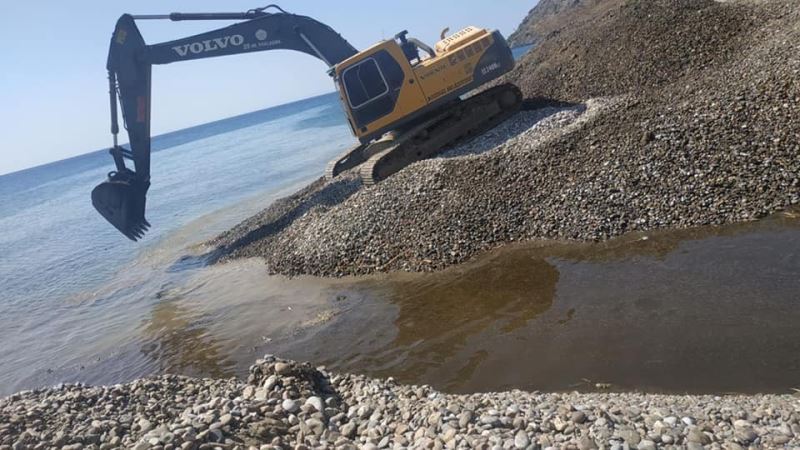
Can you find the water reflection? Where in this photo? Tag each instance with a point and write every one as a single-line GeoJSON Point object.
{"type": "Point", "coordinates": [441, 318]}
{"type": "Point", "coordinates": [701, 310]}
{"type": "Point", "coordinates": [432, 328]}
{"type": "Point", "coordinates": [177, 341]}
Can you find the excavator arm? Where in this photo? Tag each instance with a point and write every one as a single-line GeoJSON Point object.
{"type": "Point", "coordinates": [121, 198]}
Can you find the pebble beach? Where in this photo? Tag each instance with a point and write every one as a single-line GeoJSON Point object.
{"type": "Point", "coordinates": [642, 115]}
{"type": "Point", "coordinates": [285, 404]}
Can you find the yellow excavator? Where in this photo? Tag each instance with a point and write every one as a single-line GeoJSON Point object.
{"type": "Point", "coordinates": [404, 101]}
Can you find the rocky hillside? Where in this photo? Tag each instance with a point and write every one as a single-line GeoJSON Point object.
{"type": "Point", "coordinates": [542, 20]}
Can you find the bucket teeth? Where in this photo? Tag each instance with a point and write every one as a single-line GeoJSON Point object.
{"type": "Point", "coordinates": [122, 203]}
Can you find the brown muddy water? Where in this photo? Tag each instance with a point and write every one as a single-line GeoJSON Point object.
{"type": "Point", "coordinates": [710, 310]}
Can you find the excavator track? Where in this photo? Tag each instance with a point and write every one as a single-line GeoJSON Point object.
{"type": "Point", "coordinates": [465, 120]}
{"type": "Point", "coordinates": [358, 154]}
{"type": "Point", "coordinates": [347, 160]}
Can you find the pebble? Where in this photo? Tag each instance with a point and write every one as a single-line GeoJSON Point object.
{"type": "Point", "coordinates": [521, 439]}
{"type": "Point", "coordinates": [316, 403]}
{"type": "Point", "coordinates": [290, 405]}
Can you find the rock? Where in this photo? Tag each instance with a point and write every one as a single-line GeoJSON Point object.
{"type": "Point", "coordinates": [316, 403]}
{"type": "Point", "coordinates": [144, 426]}
{"type": "Point", "coordinates": [521, 439]}
{"type": "Point", "coordinates": [464, 418]}
{"type": "Point", "coordinates": [781, 439]}
{"type": "Point", "coordinates": [290, 405]}
{"type": "Point", "coordinates": [270, 382]}
{"type": "Point", "coordinates": [283, 368]}
{"type": "Point", "coordinates": [490, 420]}
{"type": "Point", "coordinates": [248, 392]}
{"type": "Point", "coordinates": [578, 417]}
{"type": "Point", "coordinates": [646, 444]}
{"type": "Point", "coordinates": [348, 430]}
{"type": "Point", "coordinates": [585, 443]}
{"type": "Point", "coordinates": [316, 426]}
{"type": "Point", "coordinates": [746, 435]}
{"type": "Point", "coordinates": [631, 436]}
{"type": "Point", "coordinates": [260, 394]}
{"type": "Point", "coordinates": [697, 436]}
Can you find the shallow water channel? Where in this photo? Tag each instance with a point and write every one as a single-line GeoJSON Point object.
{"type": "Point", "coordinates": [702, 310]}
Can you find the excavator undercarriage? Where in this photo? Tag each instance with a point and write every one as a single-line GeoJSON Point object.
{"type": "Point", "coordinates": [460, 120]}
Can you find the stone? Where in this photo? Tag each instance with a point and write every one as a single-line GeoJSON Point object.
{"type": "Point", "coordinates": [646, 444]}
{"type": "Point", "coordinates": [144, 426]}
{"type": "Point", "coordinates": [270, 382]}
{"type": "Point", "coordinates": [348, 430]}
{"type": "Point", "coordinates": [586, 443]}
{"type": "Point", "coordinates": [248, 392]}
{"type": "Point", "coordinates": [521, 439]}
{"type": "Point", "coordinates": [316, 403]}
{"type": "Point", "coordinates": [695, 435]}
{"type": "Point", "coordinates": [578, 417]}
{"type": "Point", "coordinates": [464, 418]}
{"type": "Point", "coordinates": [282, 368]}
{"type": "Point", "coordinates": [290, 405]}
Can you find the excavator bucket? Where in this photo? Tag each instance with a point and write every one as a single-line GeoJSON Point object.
{"type": "Point", "coordinates": [122, 203]}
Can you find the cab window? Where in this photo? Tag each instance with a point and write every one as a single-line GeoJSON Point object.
{"type": "Point", "coordinates": [364, 82]}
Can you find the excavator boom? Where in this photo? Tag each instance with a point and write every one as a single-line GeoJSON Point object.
{"type": "Point", "coordinates": [121, 198]}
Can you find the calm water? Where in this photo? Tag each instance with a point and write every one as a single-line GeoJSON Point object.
{"type": "Point", "coordinates": [708, 310]}
{"type": "Point", "coordinates": [72, 287]}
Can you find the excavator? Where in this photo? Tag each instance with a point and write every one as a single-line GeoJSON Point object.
{"type": "Point", "coordinates": [404, 100]}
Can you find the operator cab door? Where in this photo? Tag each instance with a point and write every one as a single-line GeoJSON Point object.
{"type": "Point", "coordinates": [372, 87]}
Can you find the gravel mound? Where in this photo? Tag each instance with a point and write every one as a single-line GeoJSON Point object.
{"type": "Point", "coordinates": [621, 46]}
{"type": "Point", "coordinates": [697, 123]}
{"type": "Point", "coordinates": [285, 404]}
{"type": "Point", "coordinates": [546, 17]}
{"type": "Point", "coordinates": [398, 224]}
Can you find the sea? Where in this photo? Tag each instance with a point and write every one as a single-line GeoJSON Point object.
{"type": "Point", "coordinates": [81, 303]}
{"type": "Point", "coordinates": [57, 251]}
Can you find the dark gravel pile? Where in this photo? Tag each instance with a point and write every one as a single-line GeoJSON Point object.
{"type": "Point", "coordinates": [622, 46]}
{"type": "Point", "coordinates": [700, 127]}
{"type": "Point", "coordinates": [286, 405]}
{"type": "Point", "coordinates": [544, 18]}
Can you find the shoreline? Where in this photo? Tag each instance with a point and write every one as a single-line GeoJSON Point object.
{"type": "Point", "coordinates": [285, 404]}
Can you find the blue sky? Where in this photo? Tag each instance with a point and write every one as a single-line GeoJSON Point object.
{"type": "Point", "coordinates": [53, 87]}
